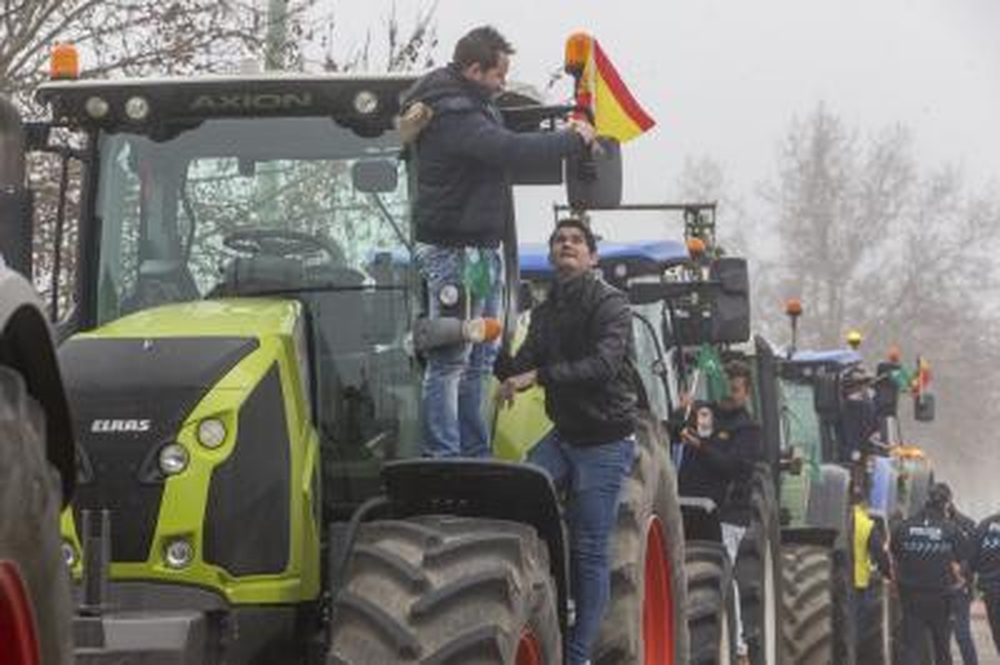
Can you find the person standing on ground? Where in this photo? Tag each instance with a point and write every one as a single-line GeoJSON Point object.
{"type": "Point", "coordinates": [870, 554]}
{"type": "Point", "coordinates": [928, 550]}
{"type": "Point", "coordinates": [963, 596]}
{"type": "Point", "coordinates": [462, 151]}
{"type": "Point", "coordinates": [578, 348]}
{"type": "Point", "coordinates": [986, 564]}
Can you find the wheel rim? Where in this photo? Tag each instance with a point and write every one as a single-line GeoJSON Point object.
{"type": "Point", "coordinates": [529, 652]}
{"type": "Point", "coordinates": [657, 603]}
{"type": "Point", "coordinates": [18, 640]}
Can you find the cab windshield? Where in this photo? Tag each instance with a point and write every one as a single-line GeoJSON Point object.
{"type": "Point", "coordinates": [802, 428]}
{"type": "Point", "coordinates": [297, 208]}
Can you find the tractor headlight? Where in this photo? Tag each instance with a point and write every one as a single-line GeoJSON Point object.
{"type": "Point", "coordinates": [178, 553]}
{"type": "Point", "coordinates": [96, 107]}
{"type": "Point", "coordinates": [137, 108]}
{"type": "Point", "coordinates": [366, 102]}
{"type": "Point", "coordinates": [69, 554]}
{"type": "Point", "coordinates": [174, 458]}
{"type": "Point", "coordinates": [211, 432]}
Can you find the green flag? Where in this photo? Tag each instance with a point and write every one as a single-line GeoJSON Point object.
{"type": "Point", "coordinates": [709, 364]}
{"type": "Point", "coordinates": [476, 273]}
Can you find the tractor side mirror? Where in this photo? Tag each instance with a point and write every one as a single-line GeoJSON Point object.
{"type": "Point", "coordinates": [375, 176]}
{"type": "Point", "coordinates": [827, 396]}
{"type": "Point", "coordinates": [15, 199]}
{"type": "Point", "coordinates": [923, 408]}
{"type": "Point", "coordinates": [595, 180]}
{"type": "Point", "coordinates": [731, 304]}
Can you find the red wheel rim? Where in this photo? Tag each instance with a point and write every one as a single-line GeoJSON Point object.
{"type": "Point", "coordinates": [657, 605]}
{"type": "Point", "coordinates": [529, 652]}
{"type": "Point", "coordinates": [18, 641]}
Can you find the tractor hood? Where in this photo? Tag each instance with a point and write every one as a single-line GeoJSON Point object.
{"type": "Point", "coordinates": [133, 383]}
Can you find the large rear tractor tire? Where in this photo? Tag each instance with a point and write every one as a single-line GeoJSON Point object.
{"type": "Point", "coordinates": [758, 573]}
{"type": "Point", "coordinates": [711, 606]}
{"type": "Point", "coordinates": [645, 622]}
{"type": "Point", "coordinates": [34, 580]}
{"type": "Point", "coordinates": [449, 591]}
{"type": "Point", "coordinates": [807, 593]}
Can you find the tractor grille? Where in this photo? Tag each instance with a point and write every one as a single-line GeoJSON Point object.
{"type": "Point", "coordinates": [128, 399]}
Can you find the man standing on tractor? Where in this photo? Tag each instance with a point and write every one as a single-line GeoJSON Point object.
{"type": "Point", "coordinates": [928, 551]}
{"type": "Point", "coordinates": [578, 347]}
{"type": "Point", "coordinates": [986, 563]}
{"type": "Point", "coordinates": [717, 463]}
{"type": "Point", "coordinates": [463, 204]}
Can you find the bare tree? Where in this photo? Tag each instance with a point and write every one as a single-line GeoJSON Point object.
{"type": "Point", "coordinates": [871, 241]}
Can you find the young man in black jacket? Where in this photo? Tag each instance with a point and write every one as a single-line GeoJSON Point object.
{"type": "Point", "coordinates": [577, 348]}
{"type": "Point", "coordinates": [986, 564]}
{"type": "Point", "coordinates": [462, 152]}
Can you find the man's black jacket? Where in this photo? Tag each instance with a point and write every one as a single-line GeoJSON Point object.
{"type": "Point", "coordinates": [463, 195]}
{"type": "Point", "coordinates": [580, 341]}
{"type": "Point", "coordinates": [986, 556]}
{"type": "Point", "coordinates": [720, 469]}
{"type": "Point", "coordinates": [925, 548]}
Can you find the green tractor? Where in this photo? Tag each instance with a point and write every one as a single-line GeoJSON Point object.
{"type": "Point", "coordinates": [682, 302]}
{"type": "Point", "coordinates": [842, 436]}
{"type": "Point", "coordinates": [239, 361]}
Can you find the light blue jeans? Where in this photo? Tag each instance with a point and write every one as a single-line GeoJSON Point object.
{"type": "Point", "coordinates": [455, 377]}
{"type": "Point", "coordinates": [593, 477]}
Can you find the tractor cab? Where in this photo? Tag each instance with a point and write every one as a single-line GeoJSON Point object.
{"type": "Point", "coordinates": [233, 283]}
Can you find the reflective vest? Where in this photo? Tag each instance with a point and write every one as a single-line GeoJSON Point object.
{"type": "Point", "coordinates": [863, 526]}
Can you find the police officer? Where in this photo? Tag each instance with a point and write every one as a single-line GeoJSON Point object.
{"type": "Point", "coordinates": [928, 551]}
{"type": "Point", "coordinates": [986, 564]}
{"type": "Point", "coordinates": [963, 596]}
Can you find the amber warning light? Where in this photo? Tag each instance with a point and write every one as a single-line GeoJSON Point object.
{"type": "Point", "coordinates": [577, 53]}
{"type": "Point", "coordinates": [793, 307]}
{"type": "Point", "coordinates": [64, 62]}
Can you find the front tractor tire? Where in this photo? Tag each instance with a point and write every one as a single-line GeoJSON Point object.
{"type": "Point", "coordinates": [758, 573]}
{"type": "Point", "coordinates": [711, 608]}
{"type": "Point", "coordinates": [645, 622]}
{"type": "Point", "coordinates": [807, 634]}
{"type": "Point", "coordinates": [35, 602]}
{"type": "Point", "coordinates": [447, 591]}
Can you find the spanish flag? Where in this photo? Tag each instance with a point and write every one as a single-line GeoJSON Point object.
{"type": "Point", "coordinates": [599, 87]}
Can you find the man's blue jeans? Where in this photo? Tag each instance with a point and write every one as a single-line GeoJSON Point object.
{"type": "Point", "coordinates": [592, 477]}
{"type": "Point", "coordinates": [455, 378]}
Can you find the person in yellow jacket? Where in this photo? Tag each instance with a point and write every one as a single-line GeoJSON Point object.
{"type": "Point", "coordinates": [870, 554]}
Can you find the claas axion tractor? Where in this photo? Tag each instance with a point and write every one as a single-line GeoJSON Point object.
{"type": "Point", "coordinates": [237, 351]}
{"type": "Point", "coordinates": [841, 425]}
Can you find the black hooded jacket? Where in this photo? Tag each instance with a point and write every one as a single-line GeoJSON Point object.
{"type": "Point", "coordinates": [580, 341]}
{"type": "Point", "coordinates": [463, 194]}
{"type": "Point", "coordinates": [722, 467]}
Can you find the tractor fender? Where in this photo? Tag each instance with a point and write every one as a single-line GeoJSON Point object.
{"type": "Point", "coordinates": [808, 535]}
{"type": "Point", "coordinates": [829, 505]}
{"type": "Point", "coordinates": [487, 489]}
{"type": "Point", "coordinates": [26, 344]}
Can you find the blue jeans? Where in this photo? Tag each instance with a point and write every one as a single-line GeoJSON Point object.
{"type": "Point", "coordinates": [963, 629]}
{"type": "Point", "coordinates": [593, 478]}
{"type": "Point", "coordinates": [455, 378]}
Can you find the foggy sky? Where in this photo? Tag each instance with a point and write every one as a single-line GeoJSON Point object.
{"type": "Point", "coordinates": [724, 79]}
